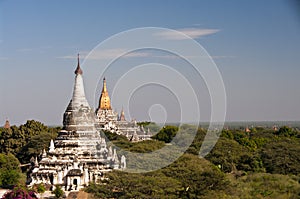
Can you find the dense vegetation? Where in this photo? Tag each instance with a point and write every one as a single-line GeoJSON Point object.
{"type": "Point", "coordinates": [259, 163]}
{"type": "Point", "coordinates": [19, 146]}
{"type": "Point", "coordinates": [10, 171]}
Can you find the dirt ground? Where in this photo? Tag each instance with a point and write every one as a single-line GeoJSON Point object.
{"type": "Point", "coordinates": [78, 195]}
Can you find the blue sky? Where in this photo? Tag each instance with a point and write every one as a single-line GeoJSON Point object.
{"type": "Point", "coordinates": [255, 45]}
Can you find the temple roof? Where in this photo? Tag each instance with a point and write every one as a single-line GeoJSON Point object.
{"type": "Point", "coordinates": [74, 172]}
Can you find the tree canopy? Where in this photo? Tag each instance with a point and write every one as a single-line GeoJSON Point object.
{"type": "Point", "coordinates": [10, 172]}
{"type": "Point", "coordinates": [27, 140]}
{"type": "Point", "coordinates": [260, 163]}
{"type": "Point", "coordinates": [166, 134]}
{"type": "Point", "coordinates": [18, 145]}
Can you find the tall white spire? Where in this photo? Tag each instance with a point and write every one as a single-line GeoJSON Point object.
{"type": "Point", "coordinates": [78, 115]}
{"type": "Point", "coordinates": [78, 98]}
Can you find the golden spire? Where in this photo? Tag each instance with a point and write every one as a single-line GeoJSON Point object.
{"type": "Point", "coordinates": [104, 89]}
{"type": "Point", "coordinates": [104, 102]}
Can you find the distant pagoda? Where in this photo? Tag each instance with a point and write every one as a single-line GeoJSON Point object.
{"type": "Point", "coordinates": [105, 114]}
{"type": "Point", "coordinates": [7, 124]}
{"type": "Point", "coordinates": [79, 155]}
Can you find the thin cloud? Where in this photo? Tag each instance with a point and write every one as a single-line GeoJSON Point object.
{"type": "Point", "coordinates": [194, 33]}
{"type": "Point", "coordinates": [115, 53]}
{"type": "Point", "coordinates": [24, 49]}
{"type": "Point", "coordinates": [197, 24]}
{"type": "Point", "coordinates": [107, 54]}
{"type": "Point", "coordinates": [41, 49]}
{"type": "Point", "coordinates": [194, 56]}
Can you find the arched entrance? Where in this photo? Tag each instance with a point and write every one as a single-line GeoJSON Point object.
{"type": "Point", "coordinates": [75, 182]}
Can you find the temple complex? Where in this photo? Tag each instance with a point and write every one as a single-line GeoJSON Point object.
{"type": "Point", "coordinates": [79, 155]}
{"type": "Point", "coordinates": [109, 120]}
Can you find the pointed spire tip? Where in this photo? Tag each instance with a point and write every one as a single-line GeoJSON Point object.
{"type": "Point", "coordinates": [78, 69]}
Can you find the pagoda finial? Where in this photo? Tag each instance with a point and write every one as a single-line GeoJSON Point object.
{"type": "Point", "coordinates": [104, 89]}
{"type": "Point", "coordinates": [78, 69]}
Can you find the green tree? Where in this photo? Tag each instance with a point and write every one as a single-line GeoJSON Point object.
{"type": "Point", "coordinates": [10, 173]}
{"type": "Point", "coordinates": [286, 131]}
{"type": "Point", "coordinates": [166, 134]}
{"type": "Point", "coordinates": [232, 156]}
{"type": "Point", "coordinates": [130, 185]}
{"type": "Point", "coordinates": [9, 162]}
{"type": "Point", "coordinates": [197, 142]}
{"type": "Point", "coordinates": [227, 134]}
{"type": "Point", "coordinates": [31, 128]}
{"type": "Point", "coordinates": [197, 176]}
{"type": "Point", "coordinates": [188, 177]}
{"type": "Point", "coordinates": [35, 146]}
{"type": "Point", "coordinates": [282, 156]}
{"type": "Point", "coordinates": [266, 185]}
{"type": "Point", "coordinates": [15, 139]}
{"type": "Point", "coordinates": [9, 177]}
{"type": "Point", "coordinates": [40, 188]}
{"type": "Point", "coordinates": [58, 192]}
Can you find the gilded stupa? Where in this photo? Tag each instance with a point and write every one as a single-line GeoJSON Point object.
{"type": "Point", "coordinates": [105, 115]}
{"type": "Point", "coordinates": [104, 102]}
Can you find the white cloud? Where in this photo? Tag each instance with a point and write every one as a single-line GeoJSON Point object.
{"type": "Point", "coordinates": [24, 49]}
{"type": "Point", "coordinates": [194, 33]}
{"type": "Point", "coordinates": [107, 54]}
{"type": "Point", "coordinates": [41, 49]}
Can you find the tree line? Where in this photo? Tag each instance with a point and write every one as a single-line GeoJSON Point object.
{"type": "Point", "coordinates": [259, 163]}
{"type": "Point", "coordinates": [19, 146]}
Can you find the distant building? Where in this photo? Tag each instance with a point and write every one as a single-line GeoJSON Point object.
{"type": "Point", "coordinates": [108, 119]}
{"type": "Point", "coordinates": [247, 130]}
{"type": "Point", "coordinates": [79, 155]}
{"type": "Point", "coordinates": [275, 128]}
{"type": "Point", "coordinates": [7, 124]}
